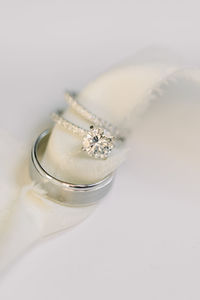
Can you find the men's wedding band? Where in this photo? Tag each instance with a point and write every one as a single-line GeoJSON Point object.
{"type": "Point", "coordinates": [61, 191]}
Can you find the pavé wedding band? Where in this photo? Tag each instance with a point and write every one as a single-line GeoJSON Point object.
{"type": "Point", "coordinates": [93, 118]}
{"type": "Point", "coordinates": [60, 191]}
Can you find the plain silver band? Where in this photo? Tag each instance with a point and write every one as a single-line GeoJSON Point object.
{"type": "Point", "coordinates": [61, 191]}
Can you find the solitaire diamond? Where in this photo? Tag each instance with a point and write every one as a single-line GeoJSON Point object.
{"type": "Point", "coordinates": [97, 144]}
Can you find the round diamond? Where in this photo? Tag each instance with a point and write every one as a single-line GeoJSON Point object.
{"type": "Point", "coordinates": [97, 144]}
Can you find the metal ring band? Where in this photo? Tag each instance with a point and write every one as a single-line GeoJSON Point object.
{"type": "Point", "coordinates": [60, 191]}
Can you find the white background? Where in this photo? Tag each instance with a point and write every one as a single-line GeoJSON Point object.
{"type": "Point", "coordinates": [48, 45]}
{"type": "Point", "coordinates": [118, 253]}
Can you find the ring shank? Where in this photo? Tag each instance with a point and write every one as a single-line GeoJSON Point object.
{"type": "Point", "coordinates": [60, 191]}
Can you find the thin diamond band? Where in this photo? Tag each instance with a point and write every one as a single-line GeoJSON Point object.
{"type": "Point", "coordinates": [75, 129]}
{"type": "Point", "coordinates": [91, 117]}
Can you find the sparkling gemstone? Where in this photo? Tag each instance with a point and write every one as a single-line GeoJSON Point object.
{"type": "Point", "coordinates": [97, 144]}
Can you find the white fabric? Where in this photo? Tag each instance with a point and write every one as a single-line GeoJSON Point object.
{"type": "Point", "coordinates": [119, 96]}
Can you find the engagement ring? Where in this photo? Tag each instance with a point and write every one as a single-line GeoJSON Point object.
{"type": "Point", "coordinates": [99, 141]}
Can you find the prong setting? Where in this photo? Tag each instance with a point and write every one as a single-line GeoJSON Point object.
{"type": "Point", "coordinates": [97, 144]}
